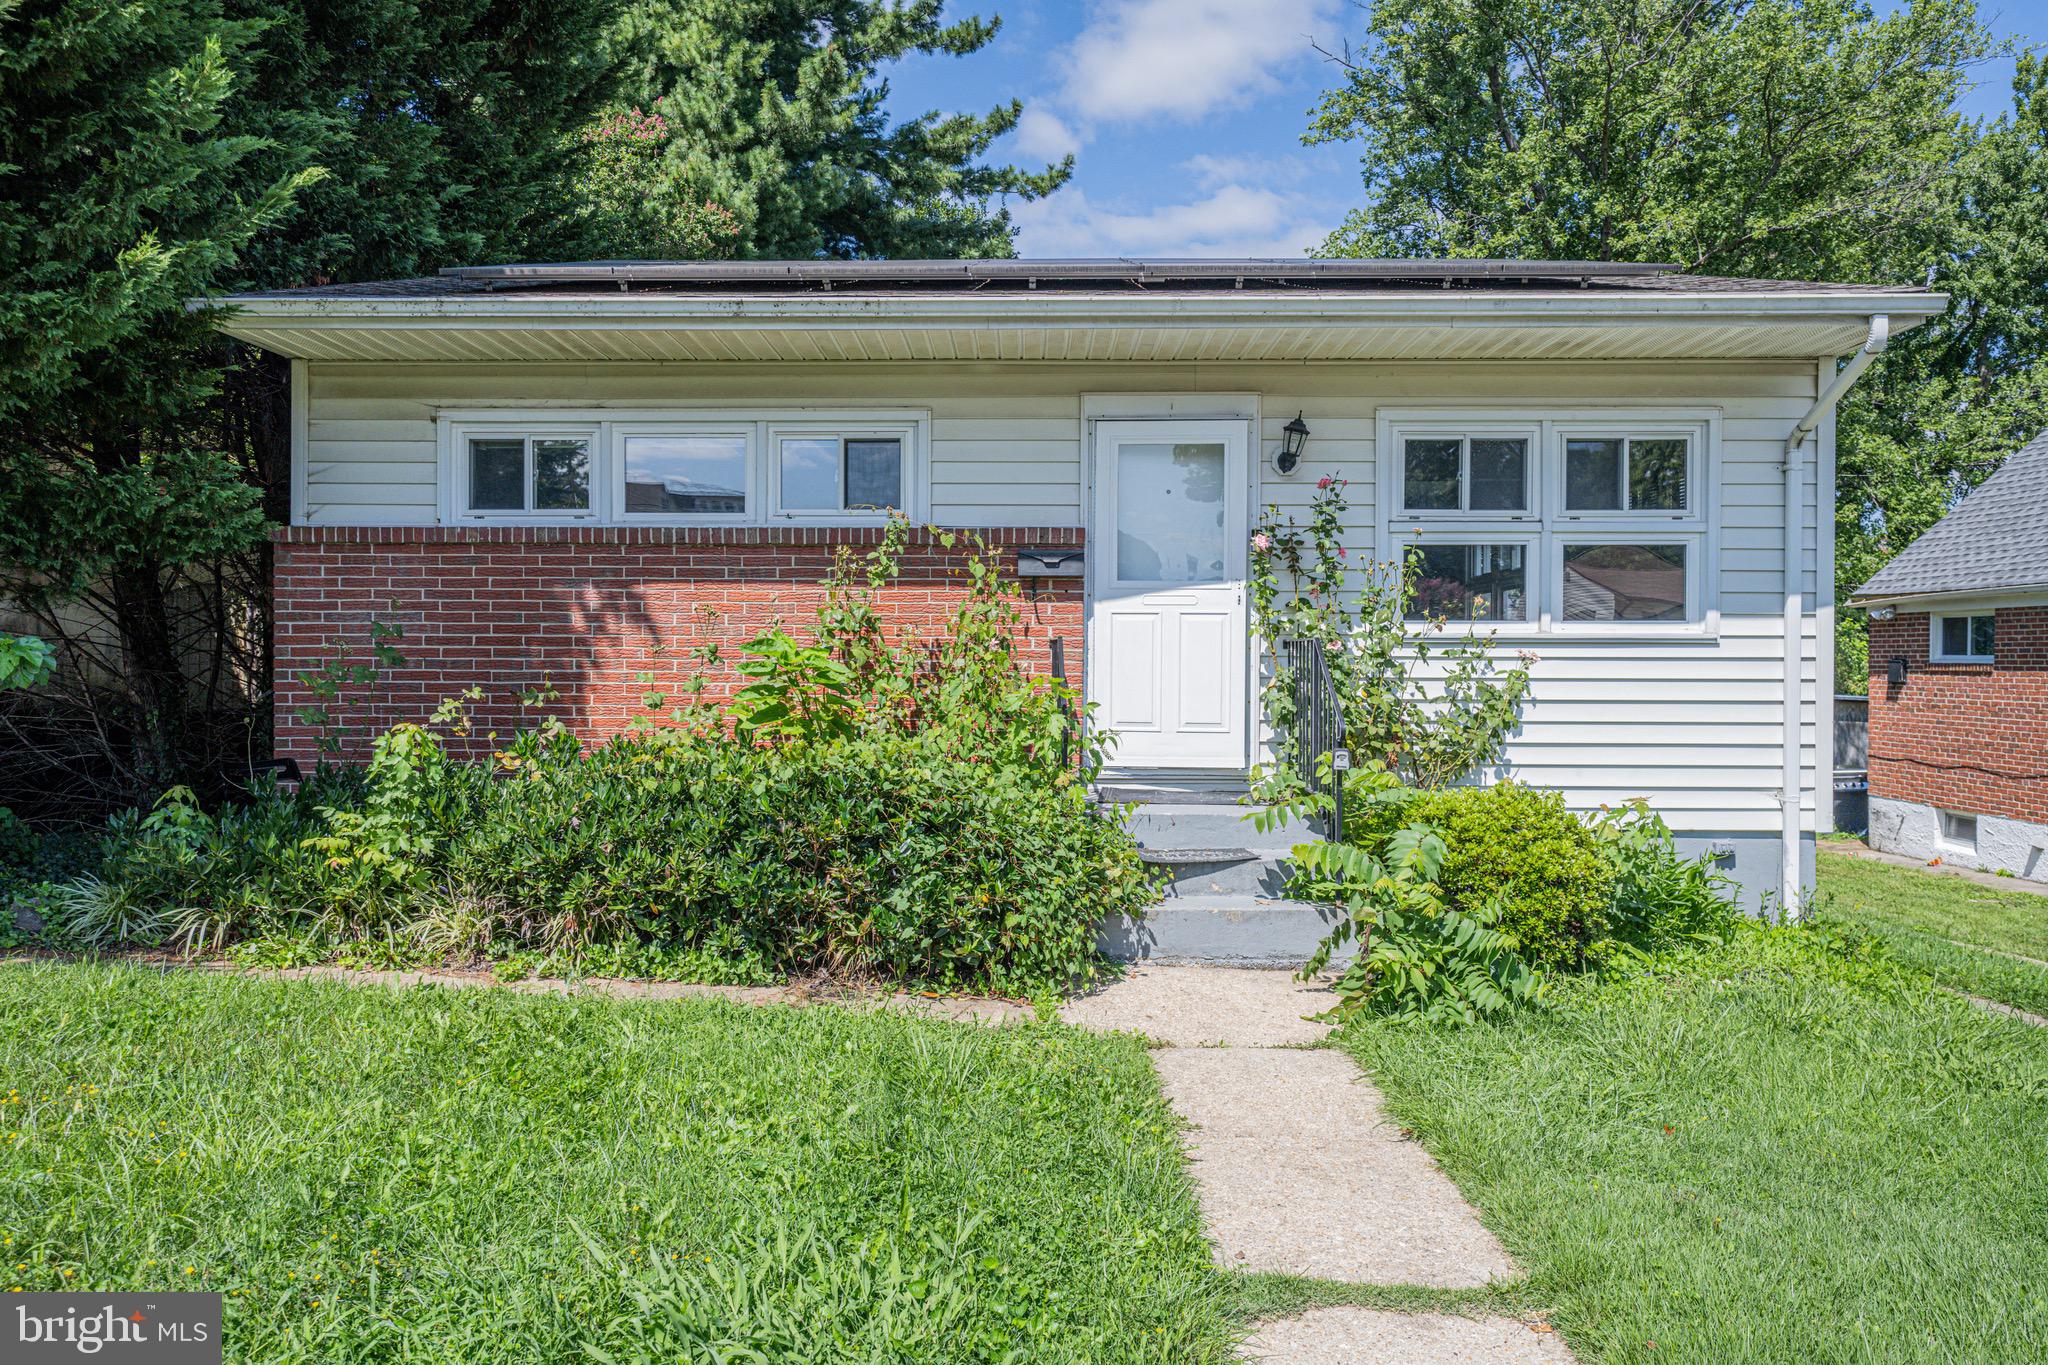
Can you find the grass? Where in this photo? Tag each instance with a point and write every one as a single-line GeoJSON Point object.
{"type": "Point", "coordinates": [1961, 933]}
{"type": "Point", "coordinates": [482, 1176]}
{"type": "Point", "coordinates": [1788, 1149]}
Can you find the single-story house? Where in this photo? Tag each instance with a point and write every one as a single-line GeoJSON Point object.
{"type": "Point", "coordinates": [583, 472]}
{"type": "Point", "coordinates": [1959, 680]}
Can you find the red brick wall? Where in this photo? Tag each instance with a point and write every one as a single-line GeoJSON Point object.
{"type": "Point", "coordinates": [1964, 737]}
{"type": "Point", "coordinates": [588, 609]}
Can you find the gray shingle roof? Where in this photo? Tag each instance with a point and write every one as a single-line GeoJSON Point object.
{"type": "Point", "coordinates": [1995, 540]}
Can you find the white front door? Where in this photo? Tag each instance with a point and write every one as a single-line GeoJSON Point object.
{"type": "Point", "coordinates": [1168, 651]}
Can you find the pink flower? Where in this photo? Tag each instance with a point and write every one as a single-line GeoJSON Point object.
{"type": "Point", "coordinates": [1323, 482]}
{"type": "Point", "coordinates": [1262, 541]}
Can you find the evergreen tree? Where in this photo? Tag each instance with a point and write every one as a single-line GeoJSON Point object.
{"type": "Point", "coordinates": [776, 110]}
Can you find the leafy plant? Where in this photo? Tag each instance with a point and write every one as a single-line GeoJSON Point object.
{"type": "Point", "coordinates": [1430, 735]}
{"type": "Point", "coordinates": [25, 661]}
{"type": "Point", "coordinates": [1660, 898]}
{"type": "Point", "coordinates": [1509, 844]}
{"type": "Point", "coordinates": [1416, 958]}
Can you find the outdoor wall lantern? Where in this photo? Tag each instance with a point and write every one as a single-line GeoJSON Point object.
{"type": "Point", "coordinates": [1895, 674]}
{"type": "Point", "coordinates": [1293, 437]}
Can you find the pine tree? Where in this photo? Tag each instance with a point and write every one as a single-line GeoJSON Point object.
{"type": "Point", "coordinates": [776, 108]}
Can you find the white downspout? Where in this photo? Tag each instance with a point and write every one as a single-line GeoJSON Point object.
{"type": "Point", "coordinates": [1792, 778]}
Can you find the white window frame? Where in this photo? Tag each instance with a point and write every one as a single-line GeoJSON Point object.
{"type": "Point", "coordinates": [883, 431]}
{"type": "Point", "coordinates": [621, 432]}
{"type": "Point", "coordinates": [606, 429]}
{"type": "Point", "coordinates": [1937, 655]}
{"type": "Point", "coordinates": [1547, 527]}
{"type": "Point", "coordinates": [457, 468]}
{"type": "Point", "coordinates": [1628, 433]}
{"type": "Point", "coordinates": [1465, 432]}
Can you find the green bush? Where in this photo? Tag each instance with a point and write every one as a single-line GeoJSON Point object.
{"type": "Point", "coordinates": [1511, 844]}
{"type": "Point", "coordinates": [1661, 900]}
{"type": "Point", "coordinates": [17, 844]}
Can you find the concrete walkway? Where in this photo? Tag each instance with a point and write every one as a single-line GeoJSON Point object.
{"type": "Point", "coordinates": [1858, 849]}
{"type": "Point", "coordinates": [1300, 1173]}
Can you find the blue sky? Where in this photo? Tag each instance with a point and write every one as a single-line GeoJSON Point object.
{"type": "Point", "coordinates": [1187, 115]}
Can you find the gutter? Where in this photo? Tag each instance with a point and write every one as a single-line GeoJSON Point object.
{"type": "Point", "coordinates": [1793, 466]}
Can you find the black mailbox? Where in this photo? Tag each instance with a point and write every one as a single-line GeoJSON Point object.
{"type": "Point", "coordinates": [1061, 562]}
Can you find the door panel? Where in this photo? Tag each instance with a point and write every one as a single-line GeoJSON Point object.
{"type": "Point", "coordinates": [1170, 653]}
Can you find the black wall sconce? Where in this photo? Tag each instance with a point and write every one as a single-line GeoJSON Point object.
{"type": "Point", "coordinates": [1293, 437]}
{"type": "Point", "coordinates": [1895, 674]}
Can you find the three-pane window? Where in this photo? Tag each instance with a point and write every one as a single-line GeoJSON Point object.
{"type": "Point", "coordinates": [733, 470]}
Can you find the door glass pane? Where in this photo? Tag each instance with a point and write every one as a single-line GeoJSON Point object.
{"type": "Point", "coordinates": [874, 473]}
{"type": "Point", "coordinates": [1169, 512]}
{"type": "Point", "coordinates": [1624, 583]}
{"type": "Point", "coordinates": [1469, 583]}
{"type": "Point", "coordinates": [561, 474]}
{"type": "Point", "coordinates": [1656, 475]}
{"type": "Point", "coordinates": [686, 475]}
{"type": "Point", "coordinates": [1592, 476]}
{"type": "Point", "coordinates": [497, 475]}
{"type": "Point", "coordinates": [1497, 469]}
{"type": "Point", "coordinates": [810, 473]}
{"type": "Point", "coordinates": [1429, 476]}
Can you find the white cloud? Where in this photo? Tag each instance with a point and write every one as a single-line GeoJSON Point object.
{"type": "Point", "coordinates": [1183, 59]}
{"type": "Point", "coordinates": [1044, 136]}
{"type": "Point", "coordinates": [1232, 220]}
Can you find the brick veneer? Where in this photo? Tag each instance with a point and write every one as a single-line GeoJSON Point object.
{"type": "Point", "coordinates": [590, 609]}
{"type": "Point", "coordinates": [1963, 737]}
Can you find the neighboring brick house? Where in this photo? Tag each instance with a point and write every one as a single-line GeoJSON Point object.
{"type": "Point", "coordinates": [1959, 681]}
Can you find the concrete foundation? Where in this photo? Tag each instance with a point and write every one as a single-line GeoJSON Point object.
{"type": "Point", "coordinates": [1913, 830]}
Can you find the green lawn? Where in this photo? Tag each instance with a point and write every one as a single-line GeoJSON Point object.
{"type": "Point", "coordinates": [1931, 922]}
{"type": "Point", "coordinates": [1779, 1151]}
{"type": "Point", "coordinates": [482, 1176]}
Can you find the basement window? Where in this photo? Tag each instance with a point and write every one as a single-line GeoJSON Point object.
{"type": "Point", "coordinates": [1963, 639]}
{"type": "Point", "coordinates": [1959, 831]}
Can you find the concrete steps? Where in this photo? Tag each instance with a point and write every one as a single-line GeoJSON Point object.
{"type": "Point", "coordinates": [1223, 883]}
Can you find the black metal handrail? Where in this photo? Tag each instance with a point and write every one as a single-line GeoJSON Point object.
{"type": "Point", "coordinates": [1069, 722]}
{"type": "Point", "coordinates": [1318, 724]}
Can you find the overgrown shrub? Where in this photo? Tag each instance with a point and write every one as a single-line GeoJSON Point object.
{"type": "Point", "coordinates": [1509, 843]}
{"type": "Point", "coordinates": [1660, 898]}
{"type": "Point", "coordinates": [870, 806]}
{"type": "Point", "coordinates": [17, 844]}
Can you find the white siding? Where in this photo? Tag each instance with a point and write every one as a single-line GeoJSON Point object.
{"type": "Point", "coordinates": [1692, 725]}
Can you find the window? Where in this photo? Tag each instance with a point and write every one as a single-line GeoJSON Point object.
{"type": "Point", "coordinates": [1964, 639]}
{"type": "Point", "coordinates": [547, 475]}
{"type": "Point", "coordinates": [1465, 473]}
{"type": "Point", "coordinates": [1470, 583]}
{"type": "Point", "coordinates": [682, 467]}
{"type": "Point", "coordinates": [685, 474]}
{"type": "Point", "coordinates": [839, 474]}
{"type": "Point", "coordinates": [1586, 523]}
{"type": "Point", "coordinates": [1959, 831]}
{"type": "Point", "coordinates": [1625, 582]}
{"type": "Point", "coordinates": [1627, 474]}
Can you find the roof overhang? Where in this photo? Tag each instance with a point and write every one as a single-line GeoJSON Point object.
{"type": "Point", "coordinates": [1241, 326]}
{"type": "Point", "coordinates": [1957, 599]}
